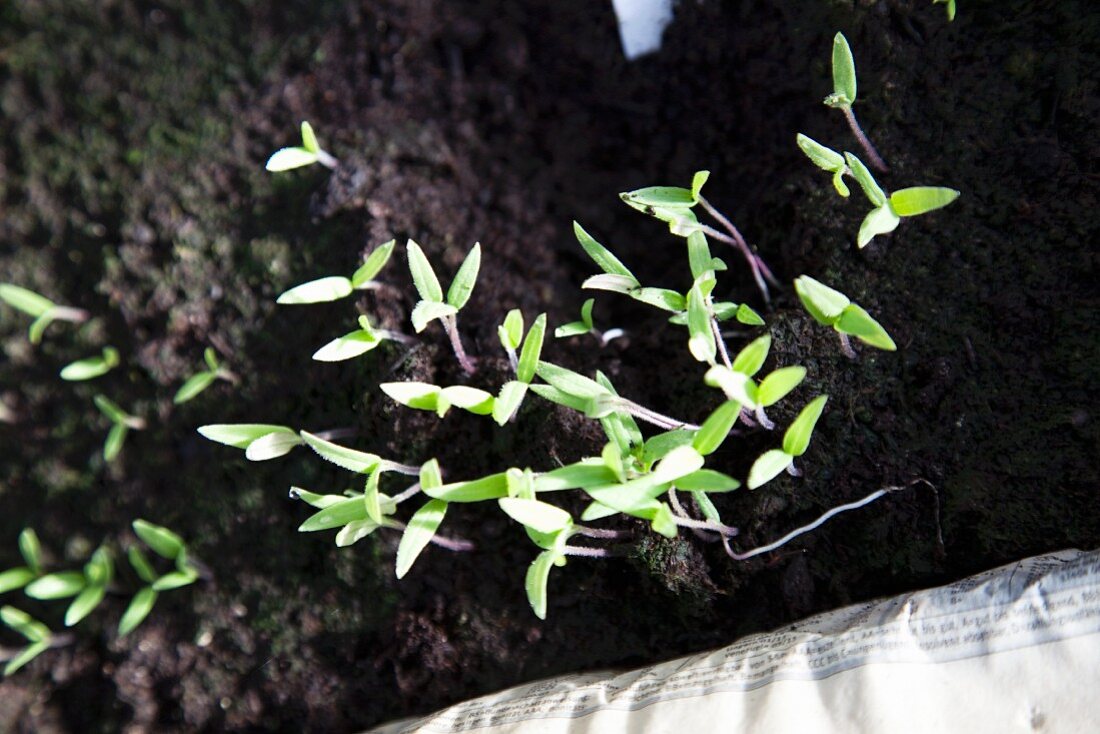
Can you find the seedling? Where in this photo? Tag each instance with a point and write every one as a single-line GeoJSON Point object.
{"type": "Point", "coordinates": [41, 309]}
{"type": "Point", "coordinates": [167, 545]}
{"type": "Point", "coordinates": [422, 396]}
{"type": "Point", "coordinates": [830, 307]}
{"type": "Point", "coordinates": [308, 153]}
{"type": "Point", "coordinates": [738, 384]}
{"type": "Point", "coordinates": [37, 634]}
{"type": "Point", "coordinates": [432, 306]}
{"type": "Point", "coordinates": [91, 367]}
{"type": "Point", "coordinates": [356, 343]}
{"type": "Point", "coordinates": [795, 442]}
{"type": "Point", "coordinates": [844, 96]}
{"type": "Point", "coordinates": [335, 287]}
{"type": "Point", "coordinates": [950, 8]}
{"type": "Point", "coordinates": [585, 326]}
{"type": "Point", "coordinates": [121, 421]}
{"type": "Point", "coordinates": [259, 441]}
{"type": "Point", "coordinates": [513, 392]}
{"type": "Point", "coordinates": [199, 382]}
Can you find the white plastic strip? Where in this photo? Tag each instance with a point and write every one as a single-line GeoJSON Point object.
{"type": "Point", "coordinates": [641, 23]}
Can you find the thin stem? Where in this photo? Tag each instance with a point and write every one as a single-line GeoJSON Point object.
{"type": "Point", "coordinates": [602, 533]}
{"type": "Point", "coordinates": [721, 343]}
{"type": "Point", "coordinates": [228, 375]}
{"type": "Point", "coordinates": [817, 523]}
{"type": "Point", "coordinates": [763, 420]}
{"type": "Point", "coordinates": [396, 336]}
{"type": "Point", "coordinates": [605, 337]}
{"type": "Point", "coordinates": [726, 531]}
{"type": "Point", "coordinates": [846, 346]}
{"type": "Point", "coordinates": [68, 313]}
{"type": "Point", "coordinates": [574, 550]}
{"type": "Point", "coordinates": [408, 470]}
{"type": "Point", "coordinates": [458, 545]}
{"type": "Point", "coordinates": [450, 325]}
{"type": "Point", "coordinates": [407, 494]}
{"type": "Point", "coordinates": [678, 509]}
{"type": "Point", "coordinates": [335, 433]}
{"type": "Point", "coordinates": [872, 155]}
{"type": "Point", "coordinates": [652, 416]}
{"type": "Point", "coordinates": [513, 362]}
{"type": "Point", "coordinates": [326, 160]}
{"type": "Point", "coordinates": [736, 239]}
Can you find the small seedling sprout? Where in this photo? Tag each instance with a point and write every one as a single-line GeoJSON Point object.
{"type": "Point", "coordinates": [91, 367]}
{"type": "Point", "coordinates": [121, 424]}
{"type": "Point", "coordinates": [335, 287]}
{"type": "Point", "coordinates": [585, 326]}
{"type": "Point", "coordinates": [41, 309]}
{"type": "Point", "coordinates": [202, 380]}
{"type": "Point", "coordinates": [844, 96]}
{"type": "Point", "coordinates": [830, 307]}
{"type": "Point", "coordinates": [796, 440]}
{"type": "Point", "coordinates": [432, 305]}
{"type": "Point", "coordinates": [259, 441]}
{"type": "Point", "coordinates": [308, 153]}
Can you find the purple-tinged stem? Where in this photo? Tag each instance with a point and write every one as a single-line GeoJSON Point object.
{"type": "Point", "coordinates": [450, 325]}
{"type": "Point", "coordinates": [872, 155]}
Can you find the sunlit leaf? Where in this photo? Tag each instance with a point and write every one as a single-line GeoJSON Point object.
{"type": "Point", "coordinates": [532, 350]}
{"type": "Point", "coordinates": [750, 359]}
{"type": "Point", "coordinates": [715, 428]}
{"type": "Point", "coordinates": [506, 404]}
{"type": "Point", "coordinates": [465, 279]}
{"type": "Point", "coordinates": [601, 255]}
{"type": "Point", "coordinates": [193, 386]}
{"type": "Point", "coordinates": [285, 159]}
{"type": "Point", "coordinates": [511, 331]}
{"type": "Point", "coordinates": [116, 437]}
{"type": "Point", "coordinates": [866, 180]}
{"type": "Point", "coordinates": [31, 549]}
{"type": "Point", "coordinates": [490, 487]}
{"type": "Point", "coordinates": [921, 199]}
{"type": "Point", "coordinates": [427, 284]}
{"type": "Point", "coordinates": [768, 466]}
{"type": "Point", "coordinates": [373, 264]}
{"type": "Point", "coordinates": [309, 138]}
{"type": "Point", "coordinates": [858, 323]}
{"type": "Point", "coordinates": [707, 480]}
{"type": "Point", "coordinates": [419, 532]}
{"type": "Point", "coordinates": [844, 69]}
{"type": "Point", "coordinates": [137, 611]}
{"type": "Point", "coordinates": [56, 585]}
{"type": "Point", "coordinates": [25, 300]}
{"type": "Point", "coordinates": [342, 456]}
{"type": "Point", "coordinates": [878, 221]}
{"type": "Point", "coordinates": [426, 312]}
{"type": "Point", "coordinates": [240, 435]}
{"type": "Point", "coordinates": [27, 654]}
{"type": "Point", "coordinates": [821, 301]}
{"type": "Point", "coordinates": [86, 601]}
{"type": "Point", "coordinates": [163, 541]}
{"type": "Point", "coordinates": [348, 346]}
{"type": "Point", "coordinates": [538, 573]}
{"type": "Point", "coordinates": [272, 446]}
{"type": "Point", "coordinates": [797, 438]}
{"type": "Point", "coordinates": [15, 578]}
{"type": "Point", "coordinates": [778, 384]}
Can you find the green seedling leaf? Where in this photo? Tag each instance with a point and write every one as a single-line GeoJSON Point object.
{"type": "Point", "coordinates": [573, 328]}
{"type": "Point", "coordinates": [532, 350]}
{"type": "Point", "coordinates": [193, 386]}
{"type": "Point", "coordinates": [354, 531]}
{"type": "Point", "coordinates": [211, 358]}
{"type": "Point", "coordinates": [750, 359]}
{"type": "Point", "coordinates": [707, 507]}
{"type": "Point", "coordinates": [538, 574]}
{"type": "Point", "coordinates": [701, 342]}
{"type": "Point", "coordinates": [56, 585]}
{"type": "Point", "coordinates": [321, 290]}
{"type": "Point", "coordinates": [84, 603]}
{"type": "Point", "coordinates": [511, 331]}
{"type": "Point", "coordinates": [878, 221]}
{"type": "Point", "coordinates": [38, 327]}
{"type": "Point", "coordinates": [27, 654]}
{"type": "Point", "coordinates": [707, 480]}
{"type": "Point", "coordinates": [554, 395]}
{"type": "Point", "coordinates": [418, 395]}
{"type": "Point", "coordinates": [601, 255]}
{"type": "Point", "coordinates": [320, 501]}
{"type": "Point", "coordinates": [612, 457]}
{"type": "Point", "coordinates": [373, 265]}
{"type": "Point", "coordinates": [700, 259]}
{"type": "Point", "coordinates": [663, 197]}
{"type": "Point", "coordinates": [747, 316]}
{"type": "Point", "coordinates": [632, 435]}
{"type": "Point", "coordinates": [826, 159]}
{"type": "Point", "coordinates": [663, 521]}
{"type": "Point", "coordinates": [570, 382]}
{"type": "Point", "coordinates": [589, 473]}
{"type": "Point", "coordinates": [356, 461]}
{"type": "Point", "coordinates": [822, 302]}
{"type": "Point", "coordinates": [858, 323]}
{"type": "Point", "coordinates": [309, 138]}
{"type": "Point", "coordinates": [768, 466]}
{"type": "Point", "coordinates": [737, 386]}
{"type": "Point", "coordinates": [521, 483]}
{"type": "Point", "coordinates": [679, 462]}
{"type": "Point", "coordinates": [797, 438]}
{"type": "Point", "coordinates": [272, 446]}
{"type": "Point", "coordinates": [163, 541]}
{"type": "Point", "coordinates": [140, 564]}
{"type": "Point", "coordinates": [612, 283]}
{"type": "Point", "coordinates": [137, 611]}
{"type": "Point", "coordinates": [240, 435]}
{"type": "Point", "coordinates": [778, 384]}
{"type": "Point", "coordinates": [336, 515]}
{"type": "Point", "coordinates": [175, 580]}
{"type": "Point", "coordinates": [598, 511]}
{"type": "Point", "coordinates": [110, 409]}
{"type": "Point", "coordinates": [430, 475]}
{"type": "Point", "coordinates": [697, 182]}
{"type": "Point", "coordinates": [99, 569]}
{"type": "Point", "coordinates": [25, 300]}
{"type": "Point", "coordinates": [866, 181]}
{"type": "Point", "coordinates": [658, 446]}
{"type": "Point", "coordinates": [427, 285]}
{"type": "Point", "coordinates": [491, 487]}
{"type": "Point", "coordinates": [586, 312]}
{"type": "Point", "coordinates": [844, 72]}
{"type": "Point", "coordinates": [420, 531]}
{"type": "Point", "coordinates": [116, 437]}
{"type": "Point", "coordinates": [15, 578]}
{"type": "Point", "coordinates": [509, 400]}
{"type": "Point", "coordinates": [463, 284]}
{"type": "Point", "coordinates": [23, 623]}
{"type": "Point", "coordinates": [31, 549]}
{"type": "Point", "coordinates": [426, 312]}
{"type": "Point", "coordinates": [348, 346]}
{"type": "Point", "coordinates": [286, 159]}
{"type": "Point", "coordinates": [372, 499]}
{"type": "Point", "coordinates": [715, 428]}
{"type": "Point", "coordinates": [661, 298]}
{"type": "Point", "coordinates": [950, 8]}
{"type": "Point", "coordinates": [535, 514]}
{"type": "Point", "coordinates": [91, 367]}
{"type": "Point", "coordinates": [921, 199]}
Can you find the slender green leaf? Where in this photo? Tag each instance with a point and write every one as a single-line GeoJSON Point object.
{"type": "Point", "coordinates": [272, 446]}
{"type": "Point", "coordinates": [569, 381]}
{"type": "Point", "coordinates": [554, 395]}
{"type": "Point", "coordinates": [25, 300]}
{"type": "Point", "coordinates": [532, 350]}
{"type": "Point", "coordinates": [824, 158]}
{"type": "Point", "coordinates": [866, 181]}
{"type": "Point", "coordinates": [778, 384]}
{"type": "Point", "coordinates": [470, 399]}
{"type": "Point", "coordinates": [697, 183]}
{"type": "Point", "coordinates": [86, 601]}
{"type": "Point", "coordinates": [538, 574]}
{"type": "Point", "coordinates": [418, 395]}
{"type": "Point", "coordinates": [240, 435]}
{"type": "Point", "coordinates": [430, 475]}
{"type": "Point", "coordinates": [27, 654]}
{"type": "Point", "coordinates": [844, 70]}
{"type": "Point", "coordinates": [31, 549]}
{"type": "Point", "coordinates": [320, 501]}
{"type": "Point", "coordinates": [24, 624]}
{"type": "Point", "coordinates": [193, 386]}
{"type": "Point", "coordinates": [38, 327]}
{"type": "Point", "coordinates": [175, 580]}
{"type": "Point", "coordinates": [750, 359]}
{"type": "Point", "coordinates": [373, 265]}
{"type": "Point", "coordinates": [716, 427]}
{"type": "Point", "coordinates": [336, 515]}
{"type": "Point", "coordinates": [91, 367]}
{"type": "Point", "coordinates": [309, 138]}
{"type": "Point", "coordinates": [426, 312]}
{"type": "Point", "coordinates": [137, 611]}
{"type": "Point", "coordinates": [342, 456]}
{"type": "Point", "coordinates": [490, 487]}
{"type": "Point", "coordinates": [421, 528]}
{"type": "Point", "coordinates": [427, 285]}
{"type": "Point", "coordinates": [116, 437]}
{"type": "Point", "coordinates": [211, 358]}
{"type": "Point", "coordinates": [511, 331]}
{"type": "Point", "coordinates": [463, 284]}
{"type": "Point", "coordinates": [15, 578]}
{"type": "Point", "coordinates": [707, 480]}
{"type": "Point", "coordinates": [573, 328]}
{"type": "Point", "coordinates": [700, 259]}
{"type": "Point", "coordinates": [858, 323]}
{"type": "Point", "coordinates": [509, 400]}
{"type": "Point", "coordinates": [355, 531]}
{"type": "Point", "coordinates": [660, 445]}
{"type": "Point", "coordinates": [140, 563]}
{"type": "Point", "coordinates": [679, 462]}
{"type": "Point", "coordinates": [797, 438]}
{"type": "Point", "coordinates": [747, 316]}
{"type": "Point", "coordinates": [662, 298]}
{"type": "Point", "coordinates": [736, 385]}
{"type": "Point", "coordinates": [110, 409]}
{"type": "Point", "coordinates": [665, 197]}
{"type": "Point", "coordinates": [286, 159]}
{"type": "Point", "coordinates": [921, 199]}
{"type": "Point", "coordinates": [767, 467]}
{"type": "Point", "coordinates": [163, 541]}
{"type": "Point", "coordinates": [663, 521]}
{"type": "Point", "coordinates": [535, 514]}
{"type": "Point", "coordinates": [701, 342]}
{"type": "Point", "coordinates": [348, 346]}
{"type": "Point", "coordinates": [820, 301]}
{"type": "Point", "coordinates": [706, 506]}
{"type": "Point", "coordinates": [586, 312]}
{"type": "Point", "coordinates": [56, 585]}
{"type": "Point", "coordinates": [322, 289]}
{"type": "Point", "coordinates": [574, 476]}
{"type": "Point", "coordinates": [878, 221]}
{"type": "Point", "coordinates": [99, 570]}
{"type": "Point", "coordinates": [601, 255]}
{"type": "Point", "coordinates": [610, 282]}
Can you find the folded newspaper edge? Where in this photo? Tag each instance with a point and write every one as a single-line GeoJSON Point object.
{"type": "Point", "coordinates": [1013, 649]}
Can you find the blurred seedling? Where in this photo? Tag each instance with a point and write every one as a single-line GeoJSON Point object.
{"type": "Point", "coordinates": [91, 367]}
{"type": "Point", "coordinates": [432, 305]}
{"type": "Point", "coordinates": [308, 153]}
{"type": "Point", "coordinates": [844, 96]}
{"type": "Point", "coordinates": [950, 8]}
{"type": "Point", "coordinates": [335, 287]}
{"type": "Point", "coordinates": [585, 326]}
{"type": "Point", "coordinates": [41, 309]}
{"type": "Point", "coordinates": [122, 422]}
{"type": "Point", "coordinates": [196, 383]}
{"type": "Point", "coordinates": [830, 307]}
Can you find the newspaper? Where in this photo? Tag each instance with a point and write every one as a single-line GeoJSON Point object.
{"type": "Point", "coordinates": [1014, 649]}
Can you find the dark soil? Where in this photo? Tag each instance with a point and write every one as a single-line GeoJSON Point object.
{"type": "Point", "coordinates": [131, 184]}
